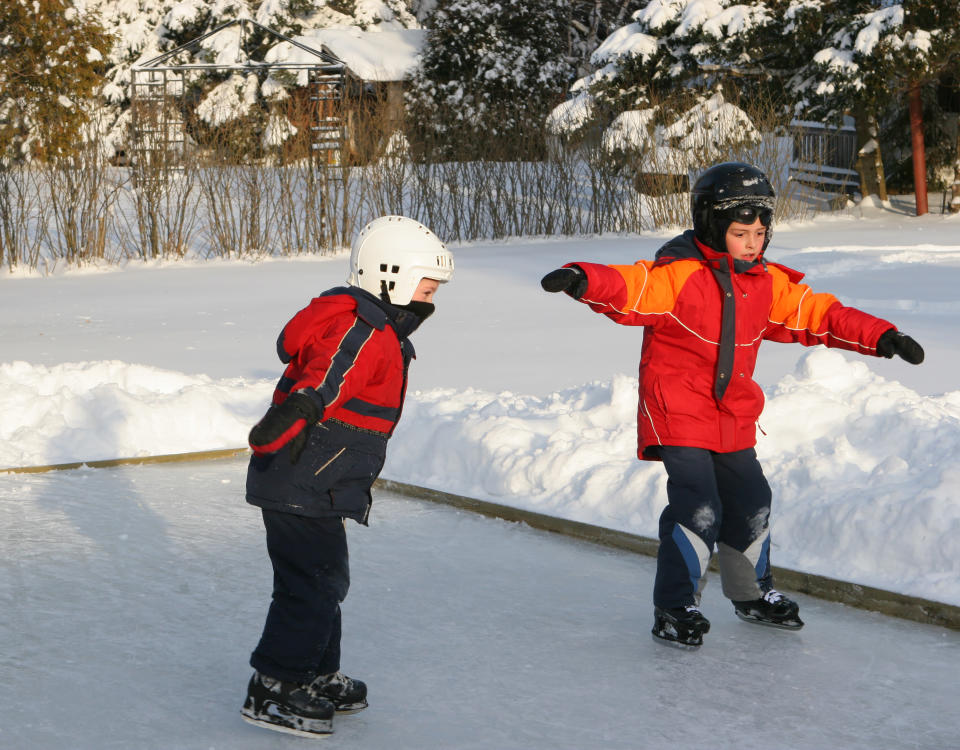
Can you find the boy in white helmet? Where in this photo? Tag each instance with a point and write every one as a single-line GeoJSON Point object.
{"type": "Point", "coordinates": [316, 454]}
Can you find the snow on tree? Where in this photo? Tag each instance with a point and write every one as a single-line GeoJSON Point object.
{"type": "Point", "coordinates": [422, 9]}
{"type": "Point", "coordinates": [771, 56]}
{"type": "Point", "coordinates": [148, 28]}
{"type": "Point", "coordinates": [875, 60]}
{"type": "Point", "coordinates": [51, 56]}
{"type": "Point", "coordinates": [675, 53]}
{"type": "Point", "coordinates": [679, 144]}
{"type": "Point", "coordinates": [229, 100]}
{"type": "Point", "coordinates": [592, 21]}
{"type": "Point", "coordinates": [661, 88]}
{"type": "Point", "coordinates": [490, 71]}
{"type": "Point", "coordinates": [675, 45]}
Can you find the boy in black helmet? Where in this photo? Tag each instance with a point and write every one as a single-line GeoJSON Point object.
{"type": "Point", "coordinates": [706, 302]}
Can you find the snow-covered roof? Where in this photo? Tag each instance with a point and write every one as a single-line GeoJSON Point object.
{"type": "Point", "coordinates": [370, 55]}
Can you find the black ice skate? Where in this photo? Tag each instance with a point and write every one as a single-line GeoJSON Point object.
{"type": "Point", "coordinates": [286, 707]}
{"type": "Point", "coordinates": [682, 627]}
{"type": "Point", "coordinates": [773, 609]}
{"type": "Point", "coordinates": [346, 694]}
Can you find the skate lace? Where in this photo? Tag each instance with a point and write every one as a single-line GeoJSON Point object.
{"type": "Point", "coordinates": [773, 596]}
{"type": "Point", "coordinates": [333, 680]}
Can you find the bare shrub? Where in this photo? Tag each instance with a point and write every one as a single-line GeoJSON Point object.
{"type": "Point", "coordinates": [161, 211]}
{"type": "Point", "coordinates": [773, 155]}
{"type": "Point", "coordinates": [23, 217]}
{"type": "Point", "coordinates": [82, 190]}
{"type": "Point", "coordinates": [314, 213]}
{"type": "Point", "coordinates": [238, 204]}
{"type": "Point", "coordinates": [300, 223]}
{"type": "Point", "coordinates": [283, 200]}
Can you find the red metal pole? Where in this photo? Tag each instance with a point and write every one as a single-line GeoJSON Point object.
{"type": "Point", "coordinates": [919, 153]}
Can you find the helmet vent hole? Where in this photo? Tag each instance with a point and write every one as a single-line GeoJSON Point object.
{"type": "Point", "coordinates": [383, 267]}
{"type": "Point", "coordinates": [395, 269]}
{"type": "Point", "coordinates": [392, 285]}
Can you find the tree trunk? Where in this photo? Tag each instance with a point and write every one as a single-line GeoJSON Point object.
{"type": "Point", "coordinates": [919, 153]}
{"type": "Point", "coordinates": [869, 164]}
{"type": "Point", "coordinates": [955, 188]}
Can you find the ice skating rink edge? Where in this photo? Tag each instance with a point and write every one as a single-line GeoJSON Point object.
{"type": "Point", "coordinates": [821, 587]}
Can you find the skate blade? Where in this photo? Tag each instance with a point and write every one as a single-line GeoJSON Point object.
{"type": "Point", "coordinates": [351, 708]}
{"type": "Point", "coordinates": [675, 643]}
{"type": "Point", "coordinates": [788, 625]}
{"type": "Point", "coordinates": [326, 728]}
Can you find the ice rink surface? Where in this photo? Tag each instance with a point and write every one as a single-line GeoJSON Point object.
{"type": "Point", "coordinates": [130, 599]}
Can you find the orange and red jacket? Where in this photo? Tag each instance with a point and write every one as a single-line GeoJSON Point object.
{"type": "Point", "coordinates": [344, 351]}
{"type": "Point", "coordinates": [704, 319]}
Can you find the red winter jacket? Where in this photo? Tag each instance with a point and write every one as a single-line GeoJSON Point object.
{"type": "Point", "coordinates": [344, 350]}
{"type": "Point", "coordinates": [704, 320]}
{"type": "Point", "coordinates": [349, 352]}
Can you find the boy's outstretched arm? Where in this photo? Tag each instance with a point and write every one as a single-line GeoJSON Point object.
{"type": "Point", "coordinates": [635, 295]}
{"type": "Point", "coordinates": [798, 314]}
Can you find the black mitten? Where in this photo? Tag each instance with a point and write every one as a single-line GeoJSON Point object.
{"type": "Point", "coordinates": [571, 280]}
{"type": "Point", "coordinates": [893, 342]}
{"type": "Point", "coordinates": [290, 422]}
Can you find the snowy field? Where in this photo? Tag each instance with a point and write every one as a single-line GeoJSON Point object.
{"type": "Point", "coordinates": [529, 399]}
{"type": "Point", "coordinates": [130, 599]}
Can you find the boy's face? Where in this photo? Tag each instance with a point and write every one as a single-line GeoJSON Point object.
{"type": "Point", "coordinates": [425, 290]}
{"type": "Point", "coordinates": [745, 241]}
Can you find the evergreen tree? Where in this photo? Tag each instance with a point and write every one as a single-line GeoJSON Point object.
{"type": "Point", "coordinates": [592, 21]}
{"type": "Point", "coordinates": [874, 59]}
{"type": "Point", "coordinates": [676, 48]}
{"type": "Point", "coordinates": [489, 72]}
{"type": "Point", "coordinates": [773, 53]}
{"type": "Point", "coordinates": [51, 60]}
{"type": "Point", "coordinates": [683, 59]}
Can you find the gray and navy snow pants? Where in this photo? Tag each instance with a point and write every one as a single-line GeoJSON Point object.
{"type": "Point", "coordinates": [719, 499]}
{"type": "Point", "coordinates": [311, 575]}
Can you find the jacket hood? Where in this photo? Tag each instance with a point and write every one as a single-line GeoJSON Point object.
{"type": "Point", "coordinates": [375, 311]}
{"type": "Point", "coordinates": [687, 247]}
{"type": "Point", "coordinates": [681, 247]}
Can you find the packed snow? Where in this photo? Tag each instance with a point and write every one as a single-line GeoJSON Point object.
{"type": "Point", "coordinates": [376, 55]}
{"type": "Point", "coordinates": [529, 399]}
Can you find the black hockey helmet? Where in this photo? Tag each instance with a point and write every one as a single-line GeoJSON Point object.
{"type": "Point", "coordinates": [728, 192]}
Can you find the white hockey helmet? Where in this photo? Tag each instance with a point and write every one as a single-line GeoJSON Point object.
{"type": "Point", "coordinates": [393, 253]}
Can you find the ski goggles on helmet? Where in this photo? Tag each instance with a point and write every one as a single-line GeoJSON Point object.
{"type": "Point", "coordinates": [747, 211]}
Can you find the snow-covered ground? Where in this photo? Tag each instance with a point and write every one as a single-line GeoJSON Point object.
{"type": "Point", "coordinates": [130, 599]}
{"type": "Point", "coordinates": [528, 399]}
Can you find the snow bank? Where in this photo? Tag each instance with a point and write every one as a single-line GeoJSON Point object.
{"type": "Point", "coordinates": [864, 470]}
{"type": "Point", "coordinates": [86, 411]}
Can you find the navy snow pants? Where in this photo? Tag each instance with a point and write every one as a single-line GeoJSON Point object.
{"type": "Point", "coordinates": [719, 499]}
{"type": "Point", "coordinates": [311, 575]}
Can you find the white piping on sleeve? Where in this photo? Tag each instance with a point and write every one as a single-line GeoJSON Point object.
{"type": "Point", "coordinates": [646, 413]}
{"type": "Point", "coordinates": [646, 278]}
